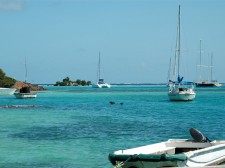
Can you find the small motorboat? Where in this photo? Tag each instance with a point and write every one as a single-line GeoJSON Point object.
{"type": "Point", "coordinates": [172, 153]}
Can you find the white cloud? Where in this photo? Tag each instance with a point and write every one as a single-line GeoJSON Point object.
{"type": "Point", "coordinates": [15, 5]}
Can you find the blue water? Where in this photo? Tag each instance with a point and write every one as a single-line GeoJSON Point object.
{"type": "Point", "coordinates": [76, 127]}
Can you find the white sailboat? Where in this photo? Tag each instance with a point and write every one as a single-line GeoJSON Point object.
{"type": "Point", "coordinates": [100, 81]}
{"type": "Point", "coordinates": [180, 90]}
{"type": "Point", "coordinates": [24, 92]}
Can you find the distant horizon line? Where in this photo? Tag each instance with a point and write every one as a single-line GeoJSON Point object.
{"type": "Point", "coordinates": [115, 84]}
{"type": "Point", "coordinates": [160, 83]}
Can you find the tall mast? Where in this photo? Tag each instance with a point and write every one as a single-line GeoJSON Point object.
{"type": "Point", "coordinates": [169, 71]}
{"type": "Point", "coordinates": [25, 70]}
{"type": "Point", "coordinates": [99, 60]}
{"type": "Point", "coordinates": [200, 75]}
{"type": "Point", "coordinates": [211, 68]}
{"type": "Point", "coordinates": [178, 42]}
{"type": "Point", "coordinates": [176, 67]}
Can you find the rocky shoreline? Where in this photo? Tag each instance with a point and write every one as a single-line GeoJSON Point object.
{"type": "Point", "coordinates": [18, 85]}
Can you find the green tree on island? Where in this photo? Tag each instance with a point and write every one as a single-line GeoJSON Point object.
{"type": "Point", "coordinates": [78, 81]}
{"type": "Point", "coordinates": [67, 82]}
{"type": "Point", "coordinates": [2, 74]}
{"type": "Point", "coordinates": [6, 81]}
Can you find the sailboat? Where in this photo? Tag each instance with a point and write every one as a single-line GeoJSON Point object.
{"type": "Point", "coordinates": [24, 92]}
{"type": "Point", "coordinates": [205, 83]}
{"type": "Point", "coordinates": [100, 81]}
{"type": "Point", "coordinates": [180, 90]}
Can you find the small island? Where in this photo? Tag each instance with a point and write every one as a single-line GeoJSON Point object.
{"type": "Point", "coordinates": [67, 82]}
{"type": "Point", "coordinates": [8, 82]}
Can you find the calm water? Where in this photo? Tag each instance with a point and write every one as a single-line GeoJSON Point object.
{"type": "Point", "coordinates": [76, 127]}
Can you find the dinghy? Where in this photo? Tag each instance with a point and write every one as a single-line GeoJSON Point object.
{"type": "Point", "coordinates": [172, 153]}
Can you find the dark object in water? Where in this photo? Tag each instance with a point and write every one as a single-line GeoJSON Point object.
{"type": "Point", "coordinates": [198, 136]}
{"type": "Point", "coordinates": [121, 103]}
{"type": "Point", "coordinates": [112, 102]}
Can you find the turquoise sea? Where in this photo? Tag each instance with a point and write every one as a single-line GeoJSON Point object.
{"type": "Point", "coordinates": [77, 127]}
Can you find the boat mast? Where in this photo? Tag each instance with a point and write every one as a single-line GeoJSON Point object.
{"type": "Point", "coordinates": [178, 68]}
{"type": "Point", "coordinates": [99, 72]}
{"type": "Point", "coordinates": [25, 70]}
{"type": "Point", "coordinates": [211, 74]}
{"type": "Point", "coordinates": [200, 73]}
{"type": "Point", "coordinates": [169, 72]}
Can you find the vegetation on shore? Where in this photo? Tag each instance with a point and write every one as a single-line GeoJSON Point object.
{"type": "Point", "coordinates": [67, 82]}
{"type": "Point", "coordinates": [6, 81]}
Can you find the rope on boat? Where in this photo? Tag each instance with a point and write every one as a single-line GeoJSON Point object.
{"type": "Point", "coordinates": [120, 164]}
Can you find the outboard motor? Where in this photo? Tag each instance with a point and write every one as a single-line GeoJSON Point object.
{"type": "Point", "coordinates": [198, 136]}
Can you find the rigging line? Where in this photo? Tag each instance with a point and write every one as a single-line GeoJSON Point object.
{"type": "Point", "coordinates": [25, 70]}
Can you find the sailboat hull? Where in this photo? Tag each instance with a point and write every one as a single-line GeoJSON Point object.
{"type": "Point", "coordinates": [177, 95]}
{"type": "Point", "coordinates": [25, 95]}
{"type": "Point", "coordinates": [105, 85]}
{"type": "Point", "coordinates": [204, 84]}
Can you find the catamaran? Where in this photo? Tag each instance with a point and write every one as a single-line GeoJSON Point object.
{"type": "Point", "coordinates": [100, 82]}
{"type": "Point", "coordinates": [179, 90]}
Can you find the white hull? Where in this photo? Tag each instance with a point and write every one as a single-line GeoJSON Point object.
{"type": "Point", "coordinates": [105, 85]}
{"type": "Point", "coordinates": [210, 156]}
{"type": "Point", "coordinates": [181, 95]}
{"type": "Point", "coordinates": [25, 95]}
{"type": "Point", "coordinates": [7, 91]}
{"type": "Point", "coordinates": [178, 92]}
{"type": "Point", "coordinates": [196, 154]}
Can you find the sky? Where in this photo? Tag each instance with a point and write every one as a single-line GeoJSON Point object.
{"type": "Point", "coordinates": [136, 39]}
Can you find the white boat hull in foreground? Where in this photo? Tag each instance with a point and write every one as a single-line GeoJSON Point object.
{"type": "Point", "coordinates": [214, 155]}
{"type": "Point", "coordinates": [172, 153]}
{"type": "Point", "coordinates": [7, 91]}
